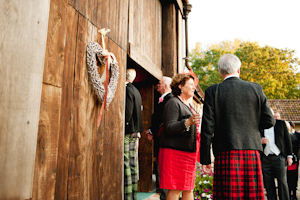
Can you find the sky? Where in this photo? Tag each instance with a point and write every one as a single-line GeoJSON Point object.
{"type": "Point", "coordinates": [274, 23]}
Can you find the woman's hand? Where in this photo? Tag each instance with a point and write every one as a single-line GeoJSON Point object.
{"type": "Point", "coordinates": [194, 119]}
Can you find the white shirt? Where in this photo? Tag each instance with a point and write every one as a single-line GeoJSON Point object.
{"type": "Point", "coordinates": [230, 77]}
{"type": "Point", "coordinates": [271, 147]}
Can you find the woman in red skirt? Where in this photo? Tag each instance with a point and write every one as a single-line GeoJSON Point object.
{"type": "Point", "coordinates": [180, 142]}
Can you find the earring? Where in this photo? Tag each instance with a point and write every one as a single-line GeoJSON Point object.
{"type": "Point", "coordinates": [181, 91]}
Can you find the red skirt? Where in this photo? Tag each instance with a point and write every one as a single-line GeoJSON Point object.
{"type": "Point", "coordinates": [178, 168]}
{"type": "Point", "coordinates": [238, 175]}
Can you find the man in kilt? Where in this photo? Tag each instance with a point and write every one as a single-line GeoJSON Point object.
{"type": "Point", "coordinates": [133, 127]}
{"type": "Point", "coordinates": [234, 112]}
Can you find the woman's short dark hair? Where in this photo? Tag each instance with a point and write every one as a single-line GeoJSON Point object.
{"type": "Point", "coordinates": [179, 79]}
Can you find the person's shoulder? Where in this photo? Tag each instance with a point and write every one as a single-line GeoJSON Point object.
{"type": "Point", "coordinates": [130, 86]}
{"type": "Point", "coordinates": [168, 96]}
{"type": "Point", "coordinates": [256, 85]}
{"type": "Point", "coordinates": [280, 122]}
{"type": "Point", "coordinates": [173, 99]}
{"type": "Point", "coordinates": [211, 89]}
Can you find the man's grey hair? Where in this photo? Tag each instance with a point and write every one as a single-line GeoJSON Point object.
{"type": "Point", "coordinates": [167, 81]}
{"type": "Point", "coordinates": [229, 64]}
{"type": "Point", "coordinates": [130, 75]}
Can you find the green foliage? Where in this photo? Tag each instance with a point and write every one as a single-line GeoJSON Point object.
{"type": "Point", "coordinates": [203, 186]}
{"type": "Point", "coordinates": [274, 69]}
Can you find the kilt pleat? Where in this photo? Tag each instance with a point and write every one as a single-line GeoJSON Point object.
{"type": "Point", "coordinates": [238, 175]}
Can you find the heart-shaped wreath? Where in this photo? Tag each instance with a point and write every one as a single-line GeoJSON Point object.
{"type": "Point", "coordinates": [104, 57]}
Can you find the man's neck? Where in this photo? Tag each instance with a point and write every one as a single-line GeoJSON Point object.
{"type": "Point", "coordinates": [231, 75]}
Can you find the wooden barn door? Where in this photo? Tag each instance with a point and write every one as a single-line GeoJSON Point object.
{"type": "Point", "coordinates": [146, 146]}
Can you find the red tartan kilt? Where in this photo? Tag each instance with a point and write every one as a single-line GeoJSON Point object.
{"type": "Point", "coordinates": [238, 175]}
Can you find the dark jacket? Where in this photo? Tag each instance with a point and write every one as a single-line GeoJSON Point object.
{"type": "Point", "coordinates": [234, 112]}
{"type": "Point", "coordinates": [133, 110]}
{"type": "Point", "coordinates": [282, 138]}
{"type": "Point", "coordinates": [157, 120]}
{"type": "Point", "coordinates": [295, 139]}
{"type": "Point", "coordinates": [175, 135]}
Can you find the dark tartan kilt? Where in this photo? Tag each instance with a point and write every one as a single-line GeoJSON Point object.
{"type": "Point", "coordinates": [238, 175]}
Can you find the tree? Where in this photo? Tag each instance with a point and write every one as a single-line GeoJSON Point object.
{"type": "Point", "coordinates": [274, 69]}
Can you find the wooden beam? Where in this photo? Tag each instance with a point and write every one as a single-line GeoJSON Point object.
{"type": "Point", "coordinates": [169, 39]}
{"type": "Point", "coordinates": [144, 61]}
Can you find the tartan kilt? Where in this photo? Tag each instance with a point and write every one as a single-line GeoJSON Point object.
{"type": "Point", "coordinates": [130, 169]}
{"type": "Point", "coordinates": [238, 175]}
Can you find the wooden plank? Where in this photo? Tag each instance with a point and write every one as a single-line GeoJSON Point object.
{"type": "Point", "coordinates": [66, 120]}
{"type": "Point", "coordinates": [46, 156]}
{"type": "Point", "coordinates": [159, 34]}
{"type": "Point", "coordinates": [111, 134]}
{"type": "Point", "coordinates": [151, 31]}
{"type": "Point", "coordinates": [169, 39]}
{"type": "Point", "coordinates": [145, 35]}
{"type": "Point", "coordinates": [180, 5]}
{"type": "Point", "coordinates": [49, 124]}
{"type": "Point", "coordinates": [82, 7]}
{"type": "Point", "coordinates": [74, 4]}
{"type": "Point", "coordinates": [145, 62]}
{"type": "Point", "coordinates": [54, 61]}
{"type": "Point", "coordinates": [122, 24]}
{"type": "Point", "coordinates": [131, 22]}
{"type": "Point", "coordinates": [103, 13]}
{"type": "Point", "coordinates": [145, 30]}
{"type": "Point", "coordinates": [181, 43]}
{"type": "Point", "coordinates": [145, 146]}
{"type": "Point", "coordinates": [113, 15]}
{"type": "Point", "coordinates": [77, 184]}
{"type": "Point", "coordinates": [23, 43]}
{"type": "Point", "coordinates": [135, 33]}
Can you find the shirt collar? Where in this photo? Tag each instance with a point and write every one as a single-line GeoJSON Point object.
{"type": "Point", "coordinates": [165, 94]}
{"type": "Point", "coordinates": [227, 77]}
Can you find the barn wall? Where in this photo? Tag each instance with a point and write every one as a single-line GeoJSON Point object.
{"type": "Point", "coordinates": [145, 40]}
{"type": "Point", "coordinates": [75, 159]}
{"type": "Point", "coordinates": [23, 40]}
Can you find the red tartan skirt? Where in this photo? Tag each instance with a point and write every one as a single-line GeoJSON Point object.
{"type": "Point", "coordinates": [238, 175]}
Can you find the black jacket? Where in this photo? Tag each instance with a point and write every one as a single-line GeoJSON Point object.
{"type": "Point", "coordinates": [157, 120]}
{"type": "Point", "coordinates": [175, 135]}
{"type": "Point", "coordinates": [295, 139]}
{"type": "Point", "coordinates": [234, 112]}
{"type": "Point", "coordinates": [133, 110]}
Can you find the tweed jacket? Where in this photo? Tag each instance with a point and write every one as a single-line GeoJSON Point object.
{"type": "Point", "coordinates": [282, 138]}
{"type": "Point", "coordinates": [133, 110]}
{"type": "Point", "coordinates": [175, 135]}
{"type": "Point", "coordinates": [234, 112]}
{"type": "Point", "coordinates": [157, 120]}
